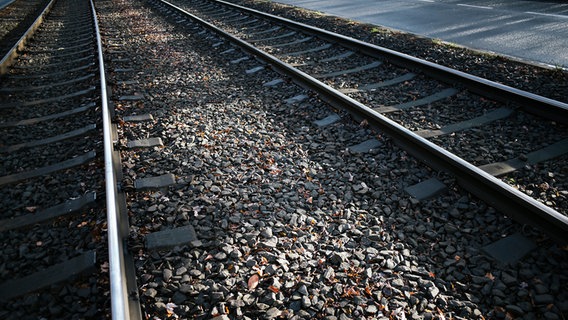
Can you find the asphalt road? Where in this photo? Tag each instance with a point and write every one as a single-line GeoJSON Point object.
{"type": "Point", "coordinates": [4, 3]}
{"type": "Point", "coordinates": [530, 30]}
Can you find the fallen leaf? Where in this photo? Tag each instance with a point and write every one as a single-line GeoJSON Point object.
{"type": "Point", "coordinates": [550, 306]}
{"type": "Point", "coordinates": [253, 281]}
{"type": "Point", "coordinates": [350, 292]}
{"type": "Point", "coordinates": [441, 315]}
{"type": "Point", "coordinates": [170, 308]}
{"type": "Point", "coordinates": [273, 289]}
{"type": "Point", "coordinates": [104, 267]}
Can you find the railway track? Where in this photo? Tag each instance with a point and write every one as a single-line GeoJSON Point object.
{"type": "Point", "coordinates": [61, 247]}
{"type": "Point", "coordinates": [269, 215]}
{"type": "Point", "coordinates": [18, 17]}
{"type": "Point", "coordinates": [448, 107]}
{"type": "Point", "coordinates": [248, 195]}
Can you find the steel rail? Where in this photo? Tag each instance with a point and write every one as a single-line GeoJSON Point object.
{"type": "Point", "coordinates": [123, 306]}
{"type": "Point", "coordinates": [492, 190]}
{"type": "Point", "coordinates": [9, 57]}
{"type": "Point", "coordinates": [530, 102]}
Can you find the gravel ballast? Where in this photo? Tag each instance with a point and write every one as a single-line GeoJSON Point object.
{"type": "Point", "coordinates": [551, 82]}
{"type": "Point", "coordinates": [291, 223]}
{"type": "Point", "coordinates": [510, 138]}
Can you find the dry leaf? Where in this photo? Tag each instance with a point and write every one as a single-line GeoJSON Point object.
{"type": "Point", "coordinates": [273, 289]}
{"type": "Point", "coordinates": [170, 308]}
{"type": "Point", "coordinates": [350, 292]}
{"type": "Point", "coordinates": [104, 267]}
{"type": "Point", "coordinates": [441, 314]}
{"type": "Point", "coordinates": [253, 281]}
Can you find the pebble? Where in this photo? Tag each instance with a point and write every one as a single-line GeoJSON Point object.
{"type": "Point", "coordinates": [543, 299]}
{"type": "Point", "coordinates": [167, 274]}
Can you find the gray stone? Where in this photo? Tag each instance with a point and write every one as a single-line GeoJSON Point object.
{"type": "Point", "coordinates": [551, 316]}
{"type": "Point", "coordinates": [372, 309]}
{"type": "Point", "coordinates": [329, 274]}
{"type": "Point", "coordinates": [272, 313]}
{"type": "Point", "coordinates": [248, 299]}
{"type": "Point", "coordinates": [508, 279]}
{"type": "Point", "coordinates": [167, 274]}
{"type": "Point", "coordinates": [543, 299]}
{"type": "Point", "coordinates": [266, 232]}
{"type": "Point", "coordinates": [270, 269]}
{"type": "Point", "coordinates": [540, 288]}
{"type": "Point", "coordinates": [306, 302]}
{"type": "Point", "coordinates": [179, 298]}
{"type": "Point", "coordinates": [433, 291]}
{"type": "Point", "coordinates": [338, 257]}
{"type": "Point", "coordinates": [515, 310]}
{"type": "Point", "coordinates": [220, 256]}
{"type": "Point", "coordinates": [195, 273]}
{"type": "Point", "coordinates": [269, 243]}
{"type": "Point", "coordinates": [296, 305]}
{"type": "Point", "coordinates": [150, 292]}
{"type": "Point", "coordinates": [397, 282]}
{"type": "Point", "coordinates": [303, 290]}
